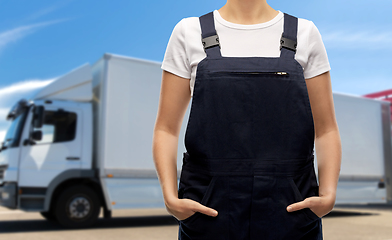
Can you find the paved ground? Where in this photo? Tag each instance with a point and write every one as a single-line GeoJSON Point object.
{"type": "Point", "coordinates": [344, 222]}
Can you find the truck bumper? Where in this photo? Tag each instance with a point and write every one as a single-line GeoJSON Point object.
{"type": "Point", "coordinates": [8, 195]}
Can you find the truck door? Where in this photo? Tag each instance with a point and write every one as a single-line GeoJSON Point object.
{"type": "Point", "coordinates": [59, 149]}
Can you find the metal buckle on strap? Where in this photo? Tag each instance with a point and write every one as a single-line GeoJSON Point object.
{"type": "Point", "coordinates": [210, 41]}
{"type": "Point", "coordinates": [288, 43]}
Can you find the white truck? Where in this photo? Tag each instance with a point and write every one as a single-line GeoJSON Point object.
{"type": "Point", "coordinates": [84, 142]}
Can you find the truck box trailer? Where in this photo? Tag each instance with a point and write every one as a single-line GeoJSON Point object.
{"type": "Point", "coordinates": [365, 131]}
{"type": "Point", "coordinates": [84, 143]}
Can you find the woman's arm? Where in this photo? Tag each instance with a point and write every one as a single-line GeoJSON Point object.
{"type": "Point", "coordinates": [327, 144]}
{"type": "Point", "coordinates": [173, 103]}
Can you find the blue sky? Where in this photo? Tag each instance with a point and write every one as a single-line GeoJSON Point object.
{"type": "Point", "coordinates": [41, 40]}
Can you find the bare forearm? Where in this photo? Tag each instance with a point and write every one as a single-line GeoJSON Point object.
{"type": "Point", "coordinates": [329, 152]}
{"type": "Point", "coordinates": [165, 158]}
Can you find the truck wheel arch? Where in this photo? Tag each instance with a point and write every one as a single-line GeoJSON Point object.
{"type": "Point", "coordinates": [68, 178]}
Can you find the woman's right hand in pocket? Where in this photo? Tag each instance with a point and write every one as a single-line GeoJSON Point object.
{"type": "Point", "coordinates": [185, 208]}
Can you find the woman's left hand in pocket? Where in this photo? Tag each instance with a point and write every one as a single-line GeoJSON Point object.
{"type": "Point", "coordinates": [320, 205]}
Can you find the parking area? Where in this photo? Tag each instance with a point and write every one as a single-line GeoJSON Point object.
{"type": "Point", "coordinates": [344, 222]}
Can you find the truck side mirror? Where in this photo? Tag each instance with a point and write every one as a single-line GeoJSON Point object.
{"type": "Point", "coordinates": [37, 135]}
{"type": "Point", "coordinates": [38, 116]}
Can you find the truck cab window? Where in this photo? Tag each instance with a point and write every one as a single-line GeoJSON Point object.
{"type": "Point", "coordinates": [12, 136]}
{"type": "Point", "coordinates": [58, 126]}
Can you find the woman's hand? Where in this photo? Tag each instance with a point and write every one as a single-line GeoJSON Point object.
{"type": "Point", "coordinates": [320, 205]}
{"type": "Point", "coordinates": [185, 208]}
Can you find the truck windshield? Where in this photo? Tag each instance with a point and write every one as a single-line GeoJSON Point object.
{"type": "Point", "coordinates": [12, 136]}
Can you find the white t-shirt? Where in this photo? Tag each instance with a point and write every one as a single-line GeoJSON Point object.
{"type": "Point", "coordinates": [185, 49]}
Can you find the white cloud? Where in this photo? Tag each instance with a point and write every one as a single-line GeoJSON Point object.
{"type": "Point", "coordinates": [23, 87]}
{"type": "Point", "coordinates": [9, 95]}
{"type": "Point", "coordinates": [2, 135]}
{"type": "Point", "coordinates": [363, 36]}
{"type": "Point", "coordinates": [3, 112]}
{"type": "Point", "coordinates": [364, 39]}
{"type": "Point", "coordinates": [18, 33]}
{"type": "Point", "coordinates": [47, 10]}
{"type": "Point", "coordinates": [42, 12]}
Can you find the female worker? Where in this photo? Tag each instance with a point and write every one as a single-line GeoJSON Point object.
{"type": "Point", "coordinates": [248, 172]}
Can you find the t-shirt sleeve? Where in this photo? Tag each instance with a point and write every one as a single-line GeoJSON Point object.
{"type": "Point", "coordinates": [175, 59]}
{"type": "Point", "coordinates": [317, 55]}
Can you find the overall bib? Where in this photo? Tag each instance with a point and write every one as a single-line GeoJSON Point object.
{"type": "Point", "coordinates": [249, 141]}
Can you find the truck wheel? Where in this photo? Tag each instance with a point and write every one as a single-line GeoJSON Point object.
{"type": "Point", "coordinates": [48, 216]}
{"type": "Point", "coordinates": [77, 207]}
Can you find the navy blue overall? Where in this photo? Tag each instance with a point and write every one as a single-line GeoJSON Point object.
{"type": "Point", "coordinates": [249, 142]}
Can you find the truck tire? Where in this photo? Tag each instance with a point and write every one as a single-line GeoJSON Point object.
{"type": "Point", "coordinates": [49, 216]}
{"type": "Point", "coordinates": [77, 207]}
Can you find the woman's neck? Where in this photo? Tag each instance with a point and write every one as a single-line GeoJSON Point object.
{"type": "Point", "coordinates": [247, 11]}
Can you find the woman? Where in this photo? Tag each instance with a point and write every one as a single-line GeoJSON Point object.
{"type": "Point", "coordinates": [248, 172]}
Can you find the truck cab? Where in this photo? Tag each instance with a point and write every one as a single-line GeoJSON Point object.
{"type": "Point", "coordinates": [46, 150]}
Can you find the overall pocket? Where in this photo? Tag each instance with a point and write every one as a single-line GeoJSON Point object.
{"type": "Point", "coordinates": [299, 197]}
{"type": "Point", "coordinates": [196, 186]}
{"type": "Point", "coordinates": [205, 196]}
{"type": "Point", "coordinates": [210, 191]}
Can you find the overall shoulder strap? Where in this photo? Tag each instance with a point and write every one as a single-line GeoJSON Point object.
{"type": "Point", "coordinates": [288, 41]}
{"type": "Point", "coordinates": [209, 36]}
